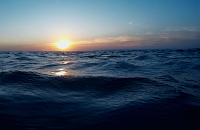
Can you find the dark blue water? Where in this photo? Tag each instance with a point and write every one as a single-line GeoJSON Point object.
{"type": "Point", "coordinates": [136, 89]}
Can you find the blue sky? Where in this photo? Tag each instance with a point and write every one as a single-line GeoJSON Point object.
{"type": "Point", "coordinates": [99, 24]}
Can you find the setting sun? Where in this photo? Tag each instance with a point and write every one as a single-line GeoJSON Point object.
{"type": "Point", "coordinates": [63, 44]}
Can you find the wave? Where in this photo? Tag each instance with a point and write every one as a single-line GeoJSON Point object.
{"type": "Point", "coordinates": [24, 58]}
{"type": "Point", "coordinates": [143, 57]}
{"type": "Point", "coordinates": [19, 77]}
{"type": "Point", "coordinates": [83, 65]}
{"type": "Point", "coordinates": [35, 100]}
{"type": "Point", "coordinates": [49, 66]}
{"type": "Point", "coordinates": [120, 66]}
{"type": "Point", "coordinates": [71, 82]}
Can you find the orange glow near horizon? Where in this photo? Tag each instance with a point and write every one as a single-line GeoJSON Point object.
{"type": "Point", "coordinates": [63, 44]}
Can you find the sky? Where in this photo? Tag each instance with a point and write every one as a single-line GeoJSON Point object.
{"type": "Point", "coordinates": [35, 25]}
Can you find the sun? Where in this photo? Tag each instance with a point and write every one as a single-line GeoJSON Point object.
{"type": "Point", "coordinates": [63, 44]}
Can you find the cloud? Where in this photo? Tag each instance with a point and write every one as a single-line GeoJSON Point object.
{"type": "Point", "coordinates": [172, 40]}
{"type": "Point", "coordinates": [147, 40]}
{"type": "Point", "coordinates": [120, 39]}
{"type": "Point", "coordinates": [179, 36]}
{"type": "Point", "coordinates": [182, 29]}
{"type": "Point", "coordinates": [111, 42]}
{"type": "Point", "coordinates": [130, 23]}
{"type": "Point", "coordinates": [148, 37]}
{"type": "Point", "coordinates": [149, 33]}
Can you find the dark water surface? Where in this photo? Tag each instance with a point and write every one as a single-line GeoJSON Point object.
{"type": "Point", "coordinates": [138, 89]}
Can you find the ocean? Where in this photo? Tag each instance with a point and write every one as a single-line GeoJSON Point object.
{"type": "Point", "coordinates": [129, 89]}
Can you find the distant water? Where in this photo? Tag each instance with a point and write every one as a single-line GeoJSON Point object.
{"type": "Point", "coordinates": [137, 89]}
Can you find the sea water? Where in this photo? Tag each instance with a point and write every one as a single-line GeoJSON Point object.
{"type": "Point", "coordinates": [130, 89]}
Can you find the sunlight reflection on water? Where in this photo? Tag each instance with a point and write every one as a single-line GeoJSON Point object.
{"type": "Point", "coordinates": [59, 72]}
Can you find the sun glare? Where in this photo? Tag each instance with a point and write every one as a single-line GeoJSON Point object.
{"type": "Point", "coordinates": [63, 44]}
